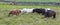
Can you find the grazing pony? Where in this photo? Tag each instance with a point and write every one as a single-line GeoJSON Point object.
{"type": "Point", "coordinates": [26, 10]}
{"type": "Point", "coordinates": [50, 13]}
{"type": "Point", "coordinates": [39, 11]}
{"type": "Point", "coordinates": [14, 12]}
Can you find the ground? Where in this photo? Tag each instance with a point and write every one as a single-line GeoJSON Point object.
{"type": "Point", "coordinates": [27, 19]}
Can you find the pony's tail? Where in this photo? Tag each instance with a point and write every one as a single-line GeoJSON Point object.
{"type": "Point", "coordinates": [54, 16]}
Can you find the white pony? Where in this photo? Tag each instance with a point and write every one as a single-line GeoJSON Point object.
{"type": "Point", "coordinates": [26, 10]}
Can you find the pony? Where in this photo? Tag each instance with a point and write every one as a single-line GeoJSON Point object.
{"type": "Point", "coordinates": [27, 10]}
{"type": "Point", "coordinates": [50, 13]}
{"type": "Point", "coordinates": [14, 12]}
{"type": "Point", "coordinates": [41, 10]}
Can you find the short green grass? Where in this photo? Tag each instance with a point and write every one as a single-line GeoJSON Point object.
{"type": "Point", "coordinates": [34, 0]}
{"type": "Point", "coordinates": [27, 19]}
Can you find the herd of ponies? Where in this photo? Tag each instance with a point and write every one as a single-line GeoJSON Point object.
{"type": "Point", "coordinates": [47, 12]}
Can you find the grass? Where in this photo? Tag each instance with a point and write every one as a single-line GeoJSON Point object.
{"type": "Point", "coordinates": [34, 0]}
{"type": "Point", "coordinates": [27, 19]}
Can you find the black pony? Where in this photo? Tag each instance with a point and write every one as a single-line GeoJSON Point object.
{"type": "Point", "coordinates": [39, 11]}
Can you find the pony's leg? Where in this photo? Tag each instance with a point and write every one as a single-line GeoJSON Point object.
{"type": "Point", "coordinates": [17, 14]}
{"type": "Point", "coordinates": [12, 14]}
{"type": "Point", "coordinates": [43, 13]}
{"type": "Point", "coordinates": [39, 13]}
{"type": "Point", "coordinates": [45, 16]}
{"type": "Point", "coordinates": [8, 15]}
{"type": "Point", "coordinates": [33, 11]}
{"type": "Point", "coordinates": [54, 16]}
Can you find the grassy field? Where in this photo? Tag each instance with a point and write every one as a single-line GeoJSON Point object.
{"type": "Point", "coordinates": [34, 0]}
{"type": "Point", "coordinates": [27, 19]}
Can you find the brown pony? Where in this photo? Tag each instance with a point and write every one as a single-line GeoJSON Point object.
{"type": "Point", "coordinates": [14, 12]}
{"type": "Point", "coordinates": [50, 13]}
